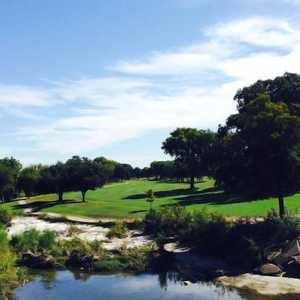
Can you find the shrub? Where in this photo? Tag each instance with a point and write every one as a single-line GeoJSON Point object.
{"type": "Point", "coordinates": [33, 240]}
{"type": "Point", "coordinates": [75, 244]}
{"type": "Point", "coordinates": [118, 230]}
{"type": "Point", "coordinates": [131, 260]}
{"type": "Point", "coordinates": [5, 215]}
{"type": "Point", "coordinates": [168, 221]}
{"type": "Point", "coordinates": [8, 272]}
{"type": "Point", "coordinates": [112, 264]}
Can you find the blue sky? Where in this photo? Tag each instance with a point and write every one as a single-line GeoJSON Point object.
{"type": "Point", "coordinates": [114, 77]}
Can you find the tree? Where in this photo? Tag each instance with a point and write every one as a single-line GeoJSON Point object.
{"type": "Point", "coordinates": [28, 180]}
{"type": "Point", "coordinates": [54, 179]}
{"type": "Point", "coordinates": [165, 169]}
{"type": "Point", "coordinates": [190, 147]}
{"type": "Point", "coordinates": [123, 171]}
{"type": "Point", "coordinates": [107, 168]}
{"type": "Point", "coordinates": [11, 167]}
{"type": "Point", "coordinates": [84, 174]}
{"type": "Point", "coordinates": [6, 183]}
{"type": "Point", "coordinates": [261, 149]}
{"type": "Point", "coordinates": [150, 198]}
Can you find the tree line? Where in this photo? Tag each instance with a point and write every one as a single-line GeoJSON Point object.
{"type": "Point", "coordinates": [76, 174]}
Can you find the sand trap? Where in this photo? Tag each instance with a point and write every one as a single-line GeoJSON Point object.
{"type": "Point", "coordinates": [85, 232]}
{"type": "Point", "coordinates": [263, 285]}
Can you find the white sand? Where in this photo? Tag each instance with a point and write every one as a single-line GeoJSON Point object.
{"type": "Point", "coordinates": [86, 232]}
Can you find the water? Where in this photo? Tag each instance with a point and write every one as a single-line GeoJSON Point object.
{"type": "Point", "coordinates": [67, 285]}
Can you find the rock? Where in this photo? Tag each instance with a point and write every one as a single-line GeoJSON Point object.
{"type": "Point", "coordinates": [269, 269]}
{"type": "Point", "coordinates": [37, 261]}
{"type": "Point", "coordinates": [280, 287]}
{"type": "Point", "coordinates": [175, 248]}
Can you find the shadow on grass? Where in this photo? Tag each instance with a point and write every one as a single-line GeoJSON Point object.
{"type": "Point", "coordinates": [39, 205]}
{"type": "Point", "coordinates": [138, 211]}
{"type": "Point", "coordinates": [186, 197]}
{"type": "Point", "coordinates": [215, 198]}
{"type": "Point", "coordinates": [173, 193]}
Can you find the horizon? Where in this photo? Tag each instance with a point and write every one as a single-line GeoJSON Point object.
{"type": "Point", "coordinates": [114, 79]}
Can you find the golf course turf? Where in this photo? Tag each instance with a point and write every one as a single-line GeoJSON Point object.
{"type": "Point", "coordinates": [128, 200]}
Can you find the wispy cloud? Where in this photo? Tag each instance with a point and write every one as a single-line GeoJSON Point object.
{"type": "Point", "coordinates": [190, 86]}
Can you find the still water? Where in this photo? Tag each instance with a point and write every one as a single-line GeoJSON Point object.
{"type": "Point", "coordinates": [66, 285]}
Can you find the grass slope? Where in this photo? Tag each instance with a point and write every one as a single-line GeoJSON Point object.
{"type": "Point", "coordinates": [127, 199]}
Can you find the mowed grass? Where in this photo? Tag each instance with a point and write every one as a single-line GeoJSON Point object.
{"type": "Point", "coordinates": [128, 200]}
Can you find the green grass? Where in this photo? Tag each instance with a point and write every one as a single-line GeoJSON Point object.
{"type": "Point", "coordinates": [128, 199]}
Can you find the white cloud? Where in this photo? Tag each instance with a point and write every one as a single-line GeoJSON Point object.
{"type": "Point", "coordinates": [191, 86]}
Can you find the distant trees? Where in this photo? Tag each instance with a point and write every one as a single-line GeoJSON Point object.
{"type": "Point", "coordinates": [123, 171]}
{"type": "Point", "coordinates": [191, 148]}
{"type": "Point", "coordinates": [258, 150]}
{"type": "Point", "coordinates": [76, 174]}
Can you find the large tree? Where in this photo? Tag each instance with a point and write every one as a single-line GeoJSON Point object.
{"type": "Point", "coordinates": [28, 180]}
{"type": "Point", "coordinates": [191, 148]}
{"type": "Point", "coordinates": [84, 174]}
{"type": "Point", "coordinates": [54, 179]}
{"type": "Point", "coordinates": [259, 148]}
{"type": "Point", "coordinates": [10, 169]}
{"type": "Point", "coordinates": [6, 183]}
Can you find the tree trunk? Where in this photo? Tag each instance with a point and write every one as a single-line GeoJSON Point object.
{"type": "Point", "coordinates": [281, 206]}
{"type": "Point", "coordinates": [192, 182]}
{"type": "Point", "coordinates": [60, 196]}
{"type": "Point", "coordinates": [83, 195]}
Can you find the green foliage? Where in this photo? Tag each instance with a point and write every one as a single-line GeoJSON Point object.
{"type": "Point", "coordinates": [130, 260]}
{"type": "Point", "coordinates": [5, 215]}
{"type": "Point", "coordinates": [118, 230]}
{"type": "Point", "coordinates": [257, 152]}
{"type": "Point", "coordinates": [112, 264]}
{"type": "Point", "coordinates": [8, 272]}
{"type": "Point", "coordinates": [33, 240]}
{"type": "Point", "coordinates": [168, 221]}
{"type": "Point", "coordinates": [28, 180]}
{"type": "Point", "coordinates": [150, 197]}
{"type": "Point", "coordinates": [191, 148]}
{"type": "Point", "coordinates": [243, 243]}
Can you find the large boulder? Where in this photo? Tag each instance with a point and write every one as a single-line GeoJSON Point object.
{"type": "Point", "coordinates": [270, 270]}
{"type": "Point", "coordinates": [37, 261]}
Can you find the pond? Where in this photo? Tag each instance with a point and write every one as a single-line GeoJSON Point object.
{"type": "Point", "coordinates": [67, 285]}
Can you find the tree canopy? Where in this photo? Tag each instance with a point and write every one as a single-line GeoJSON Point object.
{"type": "Point", "coordinates": [191, 148]}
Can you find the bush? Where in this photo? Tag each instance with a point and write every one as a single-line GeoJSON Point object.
{"type": "Point", "coordinates": [112, 264]}
{"type": "Point", "coordinates": [75, 244]}
{"type": "Point", "coordinates": [8, 272]}
{"type": "Point", "coordinates": [168, 221]}
{"type": "Point", "coordinates": [5, 215]}
{"type": "Point", "coordinates": [131, 260]}
{"type": "Point", "coordinates": [33, 240]}
{"type": "Point", "coordinates": [118, 230]}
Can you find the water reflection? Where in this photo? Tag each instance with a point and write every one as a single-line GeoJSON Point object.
{"type": "Point", "coordinates": [165, 286]}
